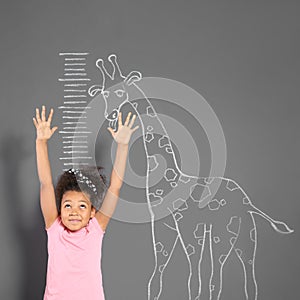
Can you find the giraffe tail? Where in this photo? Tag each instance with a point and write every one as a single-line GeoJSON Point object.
{"type": "Point", "coordinates": [278, 226]}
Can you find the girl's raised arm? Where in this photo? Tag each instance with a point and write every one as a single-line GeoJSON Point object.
{"type": "Point", "coordinates": [47, 195]}
{"type": "Point", "coordinates": [122, 137]}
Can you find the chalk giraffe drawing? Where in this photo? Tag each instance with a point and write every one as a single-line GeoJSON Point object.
{"type": "Point", "coordinates": [214, 211]}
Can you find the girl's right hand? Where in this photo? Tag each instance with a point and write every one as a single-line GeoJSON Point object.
{"type": "Point", "coordinates": [43, 130]}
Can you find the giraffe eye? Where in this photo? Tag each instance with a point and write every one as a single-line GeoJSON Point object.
{"type": "Point", "coordinates": [105, 94]}
{"type": "Point", "coordinates": [119, 93]}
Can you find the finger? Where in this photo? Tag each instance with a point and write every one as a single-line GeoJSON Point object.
{"type": "Point", "coordinates": [53, 129]}
{"type": "Point", "coordinates": [127, 119]}
{"type": "Point", "coordinates": [50, 116]}
{"type": "Point", "coordinates": [120, 119]}
{"type": "Point", "coordinates": [35, 122]}
{"type": "Point", "coordinates": [135, 128]}
{"type": "Point", "coordinates": [111, 131]}
{"type": "Point", "coordinates": [132, 121]}
{"type": "Point", "coordinates": [43, 113]}
{"type": "Point", "coordinates": [37, 115]}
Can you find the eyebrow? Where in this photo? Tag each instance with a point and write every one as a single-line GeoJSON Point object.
{"type": "Point", "coordinates": [68, 200]}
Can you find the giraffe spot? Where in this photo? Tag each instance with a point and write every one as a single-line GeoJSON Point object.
{"type": "Point", "coordinates": [155, 200]}
{"type": "Point", "coordinates": [250, 262]}
{"type": "Point", "coordinates": [152, 162]}
{"type": "Point", "coordinates": [161, 268]}
{"type": "Point", "coordinates": [165, 253]}
{"type": "Point", "coordinates": [180, 204]}
{"type": "Point", "coordinates": [173, 184]}
{"type": "Point", "coordinates": [246, 201]}
{"type": "Point", "coordinates": [169, 150]}
{"type": "Point", "coordinates": [234, 225]}
{"type": "Point", "coordinates": [170, 174]}
{"type": "Point", "coordinates": [178, 216]}
{"type": "Point", "coordinates": [163, 141]}
{"type": "Point", "coordinates": [159, 192]}
{"type": "Point", "coordinates": [149, 128]}
{"type": "Point", "coordinates": [238, 252]}
{"type": "Point", "coordinates": [149, 137]}
{"type": "Point", "coordinates": [231, 185]}
{"type": "Point", "coordinates": [199, 192]}
{"type": "Point", "coordinates": [208, 180]}
{"type": "Point", "coordinates": [199, 231]}
{"type": "Point", "coordinates": [253, 235]}
{"type": "Point", "coordinates": [200, 242]}
{"type": "Point", "coordinates": [190, 249]}
{"type": "Point", "coordinates": [232, 240]}
{"type": "Point", "coordinates": [214, 204]}
{"type": "Point", "coordinates": [216, 239]}
{"type": "Point", "coordinates": [150, 111]}
{"type": "Point", "coordinates": [184, 179]}
{"type": "Point", "coordinates": [223, 202]}
{"type": "Point", "coordinates": [158, 247]}
{"type": "Point", "coordinates": [222, 259]}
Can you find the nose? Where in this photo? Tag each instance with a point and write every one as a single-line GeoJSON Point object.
{"type": "Point", "coordinates": [74, 212]}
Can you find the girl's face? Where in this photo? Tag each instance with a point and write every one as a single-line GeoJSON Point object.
{"type": "Point", "coordinates": [76, 210]}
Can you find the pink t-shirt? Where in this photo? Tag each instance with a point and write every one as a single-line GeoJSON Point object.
{"type": "Point", "coordinates": [74, 262]}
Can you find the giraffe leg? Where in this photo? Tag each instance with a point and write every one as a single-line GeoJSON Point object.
{"type": "Point", "coordinates": [221, 240]}
{"type": "Point", "coordinates": [194, 248]}
{"type": "Point", "coordinates": [165, 239]}
{"type": "Point", "coordinates": [245, 249]}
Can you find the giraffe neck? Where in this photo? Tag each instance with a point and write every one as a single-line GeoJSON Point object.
{"type": "Point", "coordinates": [161, 161]}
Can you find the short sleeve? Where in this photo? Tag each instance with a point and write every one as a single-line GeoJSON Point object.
{"type": "Point", "coordinates": [54, 225]}
{"type": "Point", "coordinates": [95, 223]}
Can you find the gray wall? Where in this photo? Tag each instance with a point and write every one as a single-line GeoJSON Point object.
{"type": "Point", "coordinates": [241, 56]}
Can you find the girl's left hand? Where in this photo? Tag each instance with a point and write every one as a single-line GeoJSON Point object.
{"type": "Point", "coordinates": [124, 132]}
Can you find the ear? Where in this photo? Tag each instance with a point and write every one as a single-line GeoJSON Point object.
{"type": "Point", "coordinates": [133, 77]}
{"type": "Point", "coordinates": [95, 89]}
{"type": "Point", "coordinates": [93, 212]}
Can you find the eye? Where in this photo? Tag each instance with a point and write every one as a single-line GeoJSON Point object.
{"type": "Point", "coordinates": [119, 93]}
{"type": "Point", "coordinates": [83, 206]}
{"type": "Point", "coordinates": [67, 206]}
{"type": "Point", "coordinates": [105, 94]}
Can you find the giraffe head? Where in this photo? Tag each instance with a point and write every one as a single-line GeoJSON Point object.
{"type": "Point", "coordinates": [114, 88]}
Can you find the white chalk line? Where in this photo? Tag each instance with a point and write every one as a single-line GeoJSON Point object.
{"type": "Point", "coordinates": [75, 142]}
{"type": "Point", "coordinates": [74, 79]}
{"type": "Point", "coordinates": [75, 74]}
{"type": "Point", "coordinates": [71, 132]}
{"type": "Point", "coordinates": [77, 136]}
{"type": "Point", "coordinates": [74, 107]}
{"type": "Point", "coordinates": [71, 123]}
{"type": "Point", "coordinates": [75, 102]}
{"type": "Point", "coordinates": [74, 53]}
{"type": "Point", "coordinates": [74, 112]}
{"type": "Point", "coordinates": [77, 147]}
{"type": "Point", "coordinates": [74, 90]}
{"type": "Point", "coordinates": [75, 59]}
{"type": "Point", "coordinates": [75, 96]}
{"type": "Point", "coordinates": [75, 64]}
{"type": "Point", "coordinates": [76, 157]}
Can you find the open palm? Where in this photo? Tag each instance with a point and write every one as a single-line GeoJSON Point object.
{"type": "Point", "coordinates": [124, 132]}
{"type": "Point", "coordinates": [43, 126]}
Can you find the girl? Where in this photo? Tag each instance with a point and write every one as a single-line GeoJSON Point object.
{"type": "Point", "coordinates": [75, 225]}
